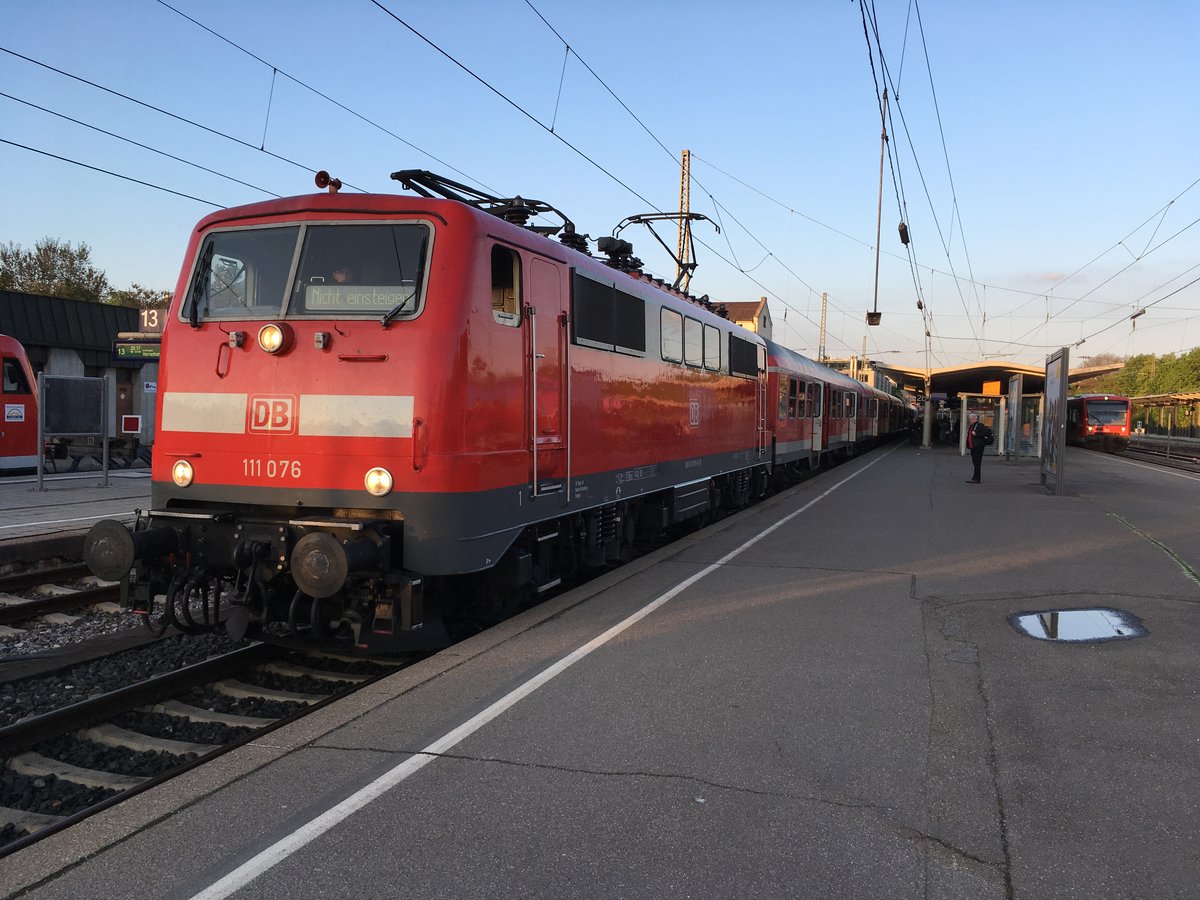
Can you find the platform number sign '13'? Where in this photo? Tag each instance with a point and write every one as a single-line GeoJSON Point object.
{"type": "Point", "coordinates": [150, 321]}
{"type": "Point", "coordinates": [271, 415]}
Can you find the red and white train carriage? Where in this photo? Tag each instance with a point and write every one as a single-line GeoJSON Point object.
{"type": "Point", "coordinates": [368, 402]}
{"type": "Point", "coordinates": [19, 427]}
{"type": "Point", "coordinates": [822, 416]}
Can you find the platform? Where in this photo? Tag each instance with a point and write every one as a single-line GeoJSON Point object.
{"type": "Point", "coordinates": [69, 502]}
{"type": "Point", "coordinates": [819, 697]}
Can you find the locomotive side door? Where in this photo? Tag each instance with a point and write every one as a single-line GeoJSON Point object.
{"type": "Point", "coordinates": [548, 361]}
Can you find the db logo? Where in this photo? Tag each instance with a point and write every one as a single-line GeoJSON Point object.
{"type": "Point", "coordinates": [271, 415]}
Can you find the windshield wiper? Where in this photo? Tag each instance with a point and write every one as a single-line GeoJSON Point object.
{"type": "Point", "coordinates": [395, 311]}
{"type": "Point", "coordinates": [200, 282]}
{"type": "Point", "coordinates": [399, 307]}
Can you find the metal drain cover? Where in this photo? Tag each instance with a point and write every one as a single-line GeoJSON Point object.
{"type": "Point", "coordinates": [1079, 625]}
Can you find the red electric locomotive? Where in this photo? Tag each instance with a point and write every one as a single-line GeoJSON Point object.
{"type": "Point", "coordinates": [19, 430]}
{"type": "Point", "coordinates": [1098, 421]}
{"type": "Point", "coordinates": [381, 415]}
{"type": "Point", "coordinates": [375, 409]}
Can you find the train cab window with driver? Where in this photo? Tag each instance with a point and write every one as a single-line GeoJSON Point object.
{"type": "Point", "coordinates": [368, 269]}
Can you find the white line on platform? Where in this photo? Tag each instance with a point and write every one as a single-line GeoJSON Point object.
{"type": "Point", "coordinates": [55, 477]}
{"type": "Point", "coordinates": [288, 845]}
{"type": "Point", "coordinates": [66, 521]}
{"type": "Point", "coordinates": [1160, 469]}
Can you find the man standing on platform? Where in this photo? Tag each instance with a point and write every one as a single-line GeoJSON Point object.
{"type": "Point", "coordinates": [977, 439]}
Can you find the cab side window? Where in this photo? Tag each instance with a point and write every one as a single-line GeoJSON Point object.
{"type": "Point", "coordinates": [506, 286]}
{"type": "Point", "coordinates": [14, 378]}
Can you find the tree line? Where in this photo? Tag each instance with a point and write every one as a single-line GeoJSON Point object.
{"type": "Point", "coordinates": [55, 268]}
{"type": "Point", "coordinates": [1145, 374]}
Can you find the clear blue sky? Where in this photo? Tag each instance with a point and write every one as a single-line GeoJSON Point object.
{"type": "Point", "coordinates": [1050, 201]}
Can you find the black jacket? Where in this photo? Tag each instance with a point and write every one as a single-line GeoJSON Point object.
{"type": "Point", "coordinates": [978, 435]}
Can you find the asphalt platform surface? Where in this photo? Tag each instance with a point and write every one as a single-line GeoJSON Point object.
{"type": "Point", "coordinates": [823, 696]}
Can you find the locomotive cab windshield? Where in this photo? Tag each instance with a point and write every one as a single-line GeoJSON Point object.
{"type": "Point", "coordinates": [347, 270]}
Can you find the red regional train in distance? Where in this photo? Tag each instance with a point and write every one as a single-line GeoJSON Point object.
{"type": "Point", "coordinates": [1099, 422]}
{"type": "Point", "coordinates": [19, 429]}
{"type": "Point", "coordinates": [381, 415]}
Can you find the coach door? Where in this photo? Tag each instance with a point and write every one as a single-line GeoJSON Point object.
{"type": "Point", "coordinates": [816, 392]}
{"type": "Point", "coordinates": [548, 361]}
{"type": "Point", "coordinates": [761, 403]}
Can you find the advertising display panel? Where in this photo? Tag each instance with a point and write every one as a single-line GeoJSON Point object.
{"type": "Point", "coordinates": [1054, 419]}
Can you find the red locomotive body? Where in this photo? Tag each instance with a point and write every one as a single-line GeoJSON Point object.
{"type": "Point", "coordinates": [361, 393]}
{"type": "Point", "coordinates": [375, 410]}
{"type": "Point", "coordinates": [19, 428]}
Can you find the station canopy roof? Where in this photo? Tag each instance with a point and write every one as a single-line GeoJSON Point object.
{"type": "Point", "coordinates": [989, 377]}
{"type": "Point", "coordinates": [1186, 398]}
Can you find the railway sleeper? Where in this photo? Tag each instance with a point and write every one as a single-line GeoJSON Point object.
{"type": "Point", "coordinates": [37, 766]}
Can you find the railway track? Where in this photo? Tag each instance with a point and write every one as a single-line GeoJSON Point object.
{"type": "Point", "coordinates": [65, 764]}
{"type": "Point", "coordinates": [1184, 456]}
{"type": "Point", "coordinates": [31, 594]}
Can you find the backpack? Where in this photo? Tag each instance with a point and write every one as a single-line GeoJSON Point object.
{"type": "Point", "coordinates": [988, 437]}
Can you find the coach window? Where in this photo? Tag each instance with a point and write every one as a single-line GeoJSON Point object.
{"type": "Point", "coordinates": [671, 325]}
{"type": "Point", "coordinates": [850, 398]}
{"type": "Point", "coordinates": [793, 388]}
{"type": "Point", "coordinates": [814, 400]}
{"type": "Point", "coordinates": [783, 397]}
{"type": "Point", "coordinates": [506, 286]}
{"type": "Point", "coordinates": [693, 342]}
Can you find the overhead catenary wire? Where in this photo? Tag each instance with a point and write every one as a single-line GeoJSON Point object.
{"type": "Point", "coordinates": [128, 140]}
{"type": "Point", "coordinates": [76, 162]}
{"type": "Point", "coordinates": [161, 111]}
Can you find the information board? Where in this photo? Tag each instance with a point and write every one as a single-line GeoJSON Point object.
{"type": "Point", "coordinates": [72, 407]}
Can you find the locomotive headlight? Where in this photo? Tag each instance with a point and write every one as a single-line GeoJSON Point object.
{"type": "Point", "coordinates": [378, 481]}
{"type": "Point", "coordinates": [181, 473]}
{"type": "Point", "coordinates": [274, 337]}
